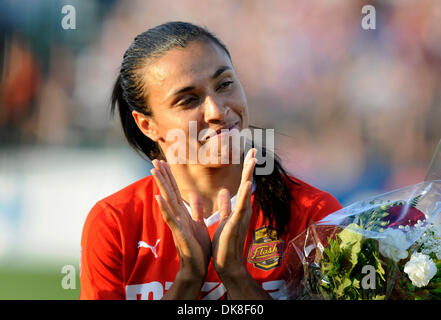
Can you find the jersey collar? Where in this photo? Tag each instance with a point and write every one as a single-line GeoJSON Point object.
{"type": "Point", "coordinates": [215, 217]}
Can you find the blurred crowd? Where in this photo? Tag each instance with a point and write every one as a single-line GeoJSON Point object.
{"type": "Point", "coordinates": [354, 110]}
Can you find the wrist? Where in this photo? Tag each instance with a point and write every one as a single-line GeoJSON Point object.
{"type": "Point", "coordinates": [189, 277]}
{"type": "Point", "coordinates": [185, 286]}
{"type": "Point", "coordinates": [241, 285]}
{"type": "Point", "coordinates": [233, 274]}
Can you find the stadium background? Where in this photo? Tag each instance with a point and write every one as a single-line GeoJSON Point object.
{"type": "Point", "coordinates": [356, 112]}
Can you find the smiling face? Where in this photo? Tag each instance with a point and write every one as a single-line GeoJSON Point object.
{"type": "Point", "coordinates": [192, 85]}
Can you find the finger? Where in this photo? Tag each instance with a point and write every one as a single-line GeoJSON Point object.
{"type": "Point", "coordinates": [248, 166]}
{"type": "Point", "coordinates": [159, 165]}
{"type": "Point", "coordinates": [224, 203]}
{"type": "Point", "coordinates": [164, 172]}
{"type": "Point", "coordinates": [155, 163]}
{"type": "Point", "coordinates": [197, 207]}
{"type": "Point", "coordinates": [247, 172]}
{"type": "Point", "coordinates": [160, 181]}
{"type": "Point", "coordinates": [172, 181]}
{"type": "Point", "coordinates": [243, 200]}
{"type": "Point", "coordinates": [167, 215]}
{"type": "Point", "coordinates": [165, 189]}
{"type": "Point", "coordinates": [249, 154]}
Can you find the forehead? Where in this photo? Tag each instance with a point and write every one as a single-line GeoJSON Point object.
{"type": "Point", "coordinates": [183, 66]}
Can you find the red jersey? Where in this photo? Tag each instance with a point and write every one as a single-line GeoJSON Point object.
{"type": "Point", "coordinates": [128, 250]}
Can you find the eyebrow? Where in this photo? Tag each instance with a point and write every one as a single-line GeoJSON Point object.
{"type": "Point", "coordinates": [218, 72]}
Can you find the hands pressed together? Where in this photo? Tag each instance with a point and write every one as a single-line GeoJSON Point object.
{"type": "Point", "coordinates": [193, 242]}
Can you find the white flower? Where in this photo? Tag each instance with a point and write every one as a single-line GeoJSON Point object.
{"type": "Point", "coordinates": [420, 269]}
{"type": "Point", "coordinates": [429, 242]}
{"type": "Point", "coordinates": [392, 245]}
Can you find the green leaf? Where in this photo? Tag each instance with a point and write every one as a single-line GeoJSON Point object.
{"type": "Point", "coordinates": [356, 283]}
{"type": "Point", "coordinates": [340, 289]}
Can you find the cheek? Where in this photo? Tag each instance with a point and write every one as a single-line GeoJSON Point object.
{"type": "Point", "coordinates": [240, 106]}
{"type": "Point", "coordinates": [242, 111]}
{"type": "Point", "coordinates": [173, 121]}
{"type": "Point", "coordinates": [187, 124]}
{"type": "Point", "coordinates": [245, 116]}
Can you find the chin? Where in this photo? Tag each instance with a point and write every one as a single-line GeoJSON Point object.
{"type": "Point", "coordinates": [225, 156]}
{"type": "Point", "coordinates": [216, 166]}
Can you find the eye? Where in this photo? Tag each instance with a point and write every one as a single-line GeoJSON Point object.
{"type": "Point", "coordinates": [187, 101]}
{"type": "Point", "coordinates": [225, 84]}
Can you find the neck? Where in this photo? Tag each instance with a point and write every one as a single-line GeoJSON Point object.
{"type": "Point", "coordinates": [207, 182]}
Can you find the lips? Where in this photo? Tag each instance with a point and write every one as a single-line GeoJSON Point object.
{"type": "Point", "coordinates": [213, 132]}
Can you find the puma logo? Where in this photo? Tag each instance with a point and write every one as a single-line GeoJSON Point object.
{"type": "Point", "coordinates": [145, 245]}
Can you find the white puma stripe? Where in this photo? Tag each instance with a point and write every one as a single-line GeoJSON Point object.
{"type": "Point", "coordinates": [146, 245]}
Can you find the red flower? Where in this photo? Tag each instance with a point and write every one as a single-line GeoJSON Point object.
{"type": "Point", "coordinates": [403, 215]}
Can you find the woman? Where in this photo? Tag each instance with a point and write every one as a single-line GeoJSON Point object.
{"type": "Point", "coordinates": [177, 234]}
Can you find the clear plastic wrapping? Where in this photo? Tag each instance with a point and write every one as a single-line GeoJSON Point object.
{"type": "Point", "coordinates": [385, 247]}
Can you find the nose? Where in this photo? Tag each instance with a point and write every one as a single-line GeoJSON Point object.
{"type": "Point", "coordinates": [214, 111]}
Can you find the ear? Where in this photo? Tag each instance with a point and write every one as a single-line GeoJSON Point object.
{"type": "Point", "coordinates": [146, 125]}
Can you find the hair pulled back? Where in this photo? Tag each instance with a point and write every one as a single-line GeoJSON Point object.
{"type": "Point", "coordinates": [130, 94]}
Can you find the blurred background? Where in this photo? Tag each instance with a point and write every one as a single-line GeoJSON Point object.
{"type": "Point", "coordinates": [356, 112]}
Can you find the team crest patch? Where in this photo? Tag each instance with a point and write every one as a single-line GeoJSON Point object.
{"type": "Point", "coordinates": [266, 250]}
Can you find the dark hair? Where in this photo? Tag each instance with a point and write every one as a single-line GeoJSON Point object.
{"type": "Point", "coordinates": [272, 193]}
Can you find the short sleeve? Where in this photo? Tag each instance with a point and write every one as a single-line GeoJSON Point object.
{"type": "Point", "coordinates": [101, 273]}
{"type": "Point", "coordinates": [324, 205]}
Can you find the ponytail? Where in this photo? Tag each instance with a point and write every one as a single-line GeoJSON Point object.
{"type": "Point", "coordinates": [273, 196]}
{"type": "Point", "coordinates": [272, 192]}
{"type": "Point", "coordinates": [142, 144]}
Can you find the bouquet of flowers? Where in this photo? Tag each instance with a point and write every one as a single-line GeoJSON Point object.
{"type": "Point", "coordinates": [386, 247]}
